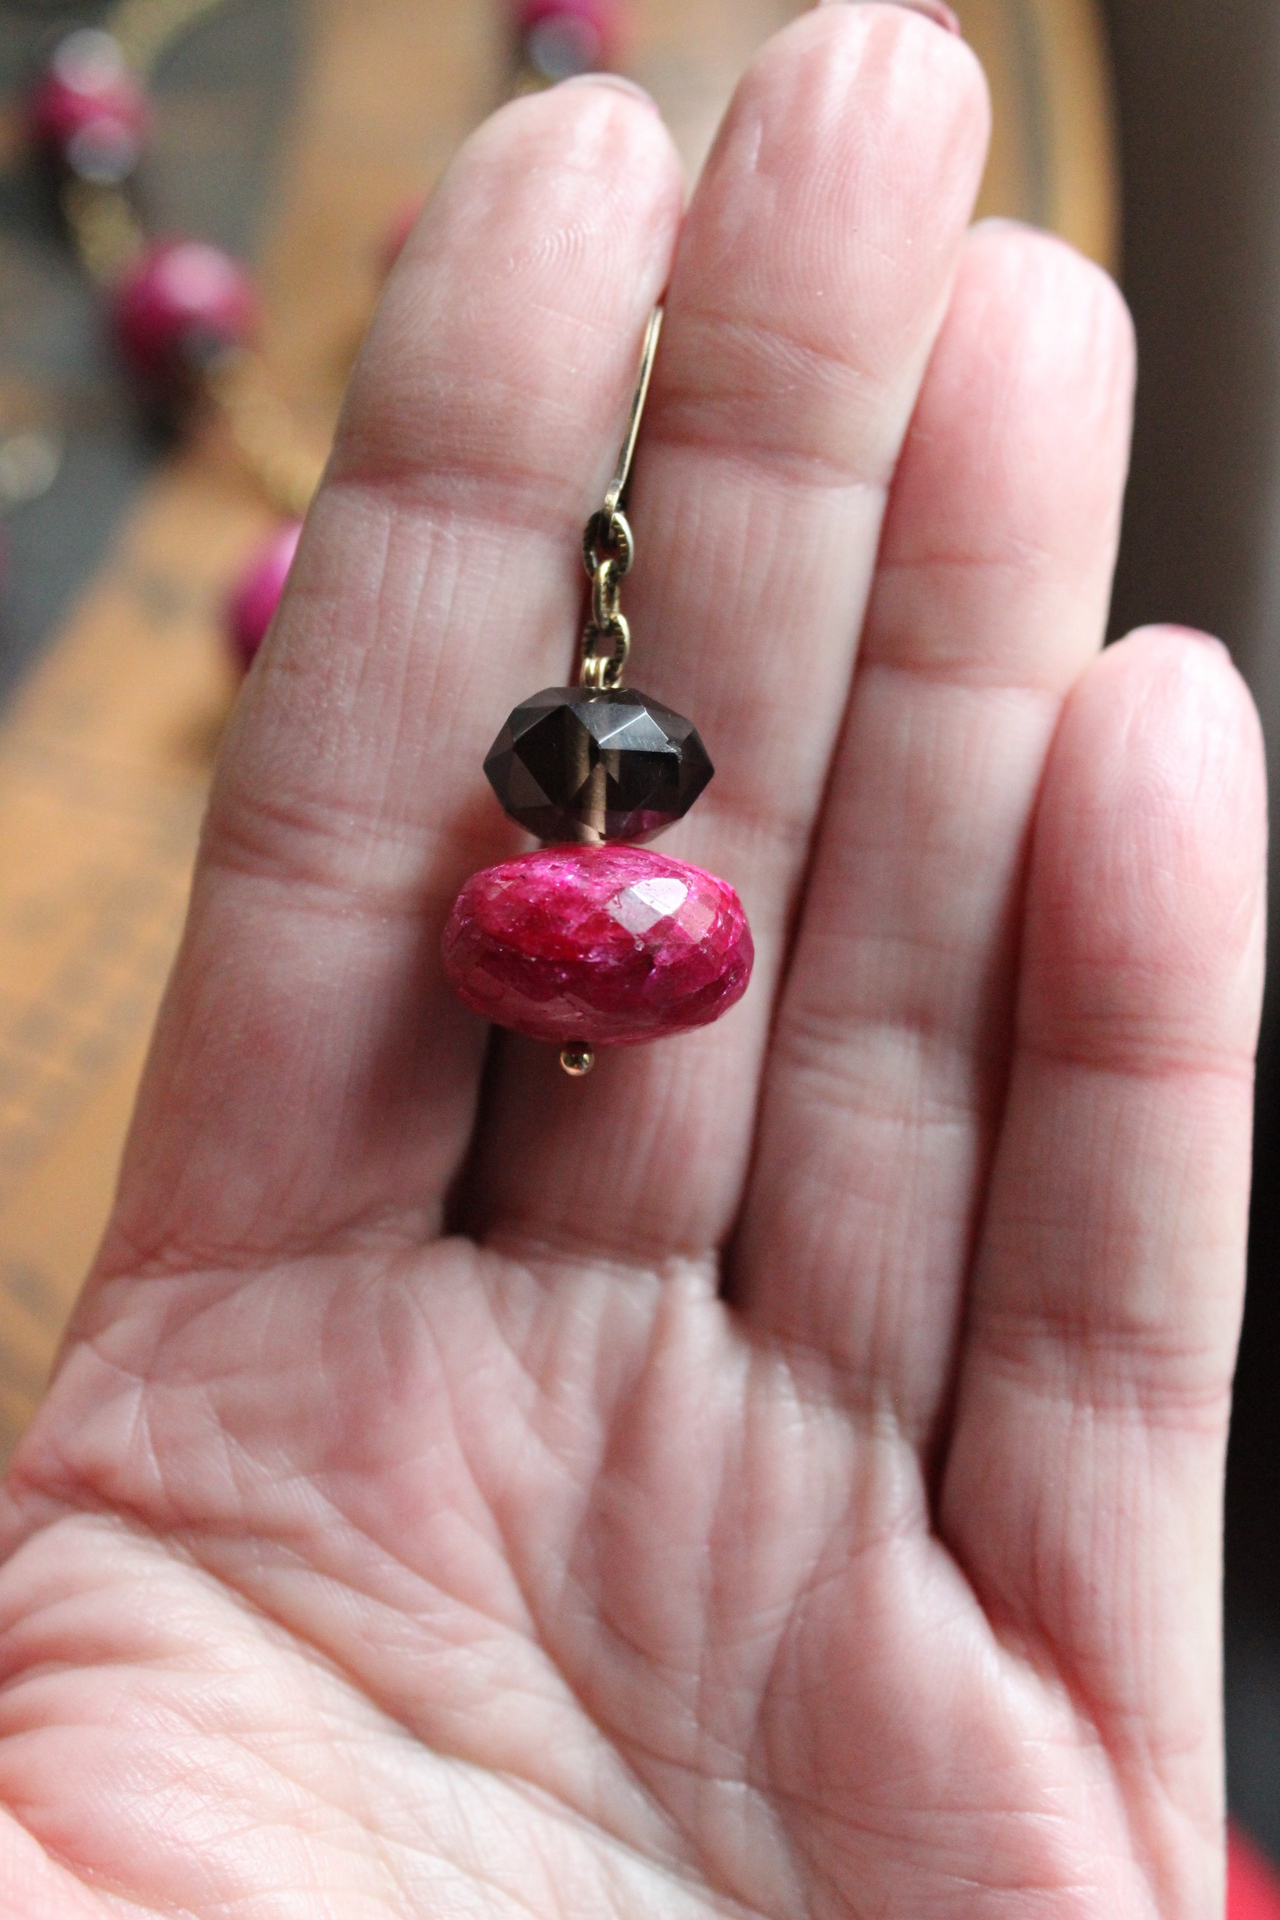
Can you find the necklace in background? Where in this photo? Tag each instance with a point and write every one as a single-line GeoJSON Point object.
{"type": "Point", "coordinates": [184, 314]}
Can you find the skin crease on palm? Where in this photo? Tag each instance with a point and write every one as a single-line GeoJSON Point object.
{"type": "Point", "coordinates": [780, 1475]}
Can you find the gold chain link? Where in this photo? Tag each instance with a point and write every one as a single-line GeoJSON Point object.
{"type": "Point", "coordinates": [107, 232]}
{"type": "Point", "coordinates": [609, 548]}
{"type": "Point", "coordinates": [144, 30]}
{"type": "Point", "coordinates": [264, 432]}
{"type": "Point", "coordinates": [608, 551]}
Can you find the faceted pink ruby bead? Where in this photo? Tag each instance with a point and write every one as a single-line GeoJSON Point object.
{"type": "Point", "coordinates": [89, 113]}
{"type": "Point", "coordinates": [606, 946]}
{"type": "Point", "coordinates": [256, 595]}
{"type": "Point", "coordinates": [183, 302]}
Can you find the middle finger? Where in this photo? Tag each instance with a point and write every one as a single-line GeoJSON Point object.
{"type": "Point", "coordinates": [810, 283]}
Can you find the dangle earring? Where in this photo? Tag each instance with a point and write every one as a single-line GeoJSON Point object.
{"type": "Point", "coordinates": [593, 941]}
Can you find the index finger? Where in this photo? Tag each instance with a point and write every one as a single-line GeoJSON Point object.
{"type": "Point", "coordinates": [310, 1074]}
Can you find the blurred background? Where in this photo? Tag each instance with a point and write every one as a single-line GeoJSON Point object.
{"type": "Point", "coordinates": [150, 466]}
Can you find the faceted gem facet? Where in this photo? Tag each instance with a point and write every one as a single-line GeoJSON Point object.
{"type": "Point", "coordinates": [587, 765]}
{"type": "Point", "coordinates": [598, 946]}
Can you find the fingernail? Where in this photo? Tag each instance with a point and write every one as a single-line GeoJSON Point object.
{"type": "Point", "coordinates": [1196, 633]}
{"type": "Point", "coordinates": [1172, 630]}
{"type": "Point", "coordinates": [934, 10]}
{"type": "Point", "coordinates": [618, 81]}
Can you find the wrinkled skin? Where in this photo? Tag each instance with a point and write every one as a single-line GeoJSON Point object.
{"type": "Point", "coordinates": [779, 1475]}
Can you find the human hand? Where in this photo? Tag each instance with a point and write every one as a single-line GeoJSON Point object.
{"type": "Point", "coordinates": [796, 1493]}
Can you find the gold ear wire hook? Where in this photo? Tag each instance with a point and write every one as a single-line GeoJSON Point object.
{"type": "Point", "coordinates": [648, 354]}
{"type": "Point", "coordinates": [608, 548]}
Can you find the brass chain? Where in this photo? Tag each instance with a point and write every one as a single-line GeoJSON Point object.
{"type": "Point", "coordinates": [144, 30]}
{"type": "Point", "coordinates": [608, 551]}
{"type": "Point", "coordinates": [609, 548]}
{"type": "Point", "coordinates": [264, 432]}
{"type": "Point", "coordinates": [108, 234]}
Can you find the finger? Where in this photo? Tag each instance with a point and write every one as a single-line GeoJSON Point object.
{"type": "Point", "coordinates": [311, 1072]}
{"type": "Point", "coordinates": [812, 276]}
{"type": "Point", "coordinates": [891, 1046]}
{"type": "Point", "coordinates": [1083, 1487]}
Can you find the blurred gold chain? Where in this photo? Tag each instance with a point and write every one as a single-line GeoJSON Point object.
{"type": "Point", "coordinates": [265, 433]}
{"type": "Point", "coordinates": [108, 234]}
{"type": "Point", "coordinates": [145, 29]}
{"type": "Point", "coordinates": [110, 238]}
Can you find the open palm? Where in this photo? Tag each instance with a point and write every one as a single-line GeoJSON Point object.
{"type": "Point", "coordinates": [779, 1475]}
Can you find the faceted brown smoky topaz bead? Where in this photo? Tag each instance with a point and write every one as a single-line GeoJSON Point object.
{"type": "Point", "coordinates": [594, 765]}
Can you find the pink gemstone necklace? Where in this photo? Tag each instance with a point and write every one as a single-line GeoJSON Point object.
{"type": "Point", "coordinates": [592, 940]}
{"type": "Point", "coordinates": [184, 314]}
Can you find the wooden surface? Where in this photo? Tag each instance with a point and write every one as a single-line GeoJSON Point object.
{"type": "Point", "coordinates": [106, 752]}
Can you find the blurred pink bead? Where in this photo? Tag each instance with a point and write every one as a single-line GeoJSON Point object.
{"type": "Point", "coordinates": [564, 37]}
{"type": "Point", "coordinates": [1253, 1885]}
{"type": "Point", "coordinates": [181, 303]}
{"type": "Point", "coordinates": [89, 113]}
{"type": "Point", "coordinates": [257, 595]}
{"type": "Point", "coordinates": [399, 230]}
